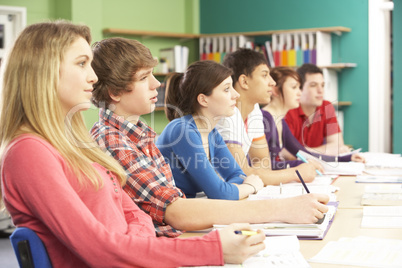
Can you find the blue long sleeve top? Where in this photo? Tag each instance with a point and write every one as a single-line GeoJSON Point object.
{"type": "Point", "coordinates": [181, 145]}
{"type": "Point", "coordinates": [290, 143]}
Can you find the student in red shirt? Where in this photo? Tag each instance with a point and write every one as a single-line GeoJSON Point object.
{"type": "Point", "coordinates": [314, 123]}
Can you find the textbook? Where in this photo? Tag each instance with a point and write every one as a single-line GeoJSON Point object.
{"type": "Point", "coordinates": [361, 251]}
{"type": "Point", "coordinates": [302, 231]}
{"type": "Point", "coordinates": [378, 179]}
{"type": "Point", "coordinates": [382, 217]}
{"type": "Point", "coordinates": [382, 195]}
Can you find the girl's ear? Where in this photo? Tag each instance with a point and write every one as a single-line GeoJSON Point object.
{"type": "Point", "coordinates": [275, 92]}
{"type": "Point", "coordinates": [202, 100]}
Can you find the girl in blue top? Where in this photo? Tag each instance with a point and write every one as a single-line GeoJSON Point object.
{"type": "Point", "coordinates": [196, 152]}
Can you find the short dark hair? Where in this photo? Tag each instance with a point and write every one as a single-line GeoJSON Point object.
{"type": "Point", "coordinates": [116, 60]}
{"type": "Point", "coordinates": [243, 61]}
{"type": "Point", "coordinates": [307, 68]}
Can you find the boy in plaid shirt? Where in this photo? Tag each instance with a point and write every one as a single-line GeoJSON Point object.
{"type": "Point", "coordinates": [126, 89]}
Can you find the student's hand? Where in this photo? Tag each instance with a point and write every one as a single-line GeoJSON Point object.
{"type": "Point", "coordinates": [317, 165]}
{"type": "Point", "coordinates": [255, 181]}
{"type": "Point", "coordinates": [307, 208]}
{"type": "Point", "coordinates": [358, 158]}
{"type": "Point", "coordinates": [344, 149]}
{"type": "Point", "coordinates": [237, 248]}
{"type": "Point", "coordinates": [307, 171]}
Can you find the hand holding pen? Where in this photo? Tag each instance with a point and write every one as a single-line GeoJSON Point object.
{"type": "Point", "coordinates": [302, 158]}
{"type": "Point", "coordinates": [308, 191]}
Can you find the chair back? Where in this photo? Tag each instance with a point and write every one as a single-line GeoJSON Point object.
{"type": "Point", "coordinates": [29, 249]}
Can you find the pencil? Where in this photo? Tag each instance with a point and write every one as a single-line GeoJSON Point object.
{"type": "Point", "coordinates": [246, 232]}
{"type": "Point", "coordinates": [302, 181]}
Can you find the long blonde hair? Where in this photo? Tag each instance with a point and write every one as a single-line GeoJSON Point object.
{"type": "Point", "coordinates": [30, 103]}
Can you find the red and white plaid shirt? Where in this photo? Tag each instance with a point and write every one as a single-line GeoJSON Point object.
{"type": "Point", "coordinates": [149, 178]}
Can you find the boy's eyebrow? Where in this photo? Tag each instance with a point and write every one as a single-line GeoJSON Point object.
{"type": "Point", "coordinates": [142, 72]}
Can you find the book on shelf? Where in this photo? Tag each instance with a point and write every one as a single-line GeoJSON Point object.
{"type": "Point", "coordinates": [175, 57]}
{"type": "Point", "coordinates": [161, 95]}
{"type": "Point", "coordinates": [283, 49]}
{"type": "Point", "coordinates": [331, 84]}
{"type": "Point", "coordinates": [270, 55]}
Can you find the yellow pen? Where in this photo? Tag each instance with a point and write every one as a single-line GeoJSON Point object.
{"type": "Point", "coordinates": [246, 232]}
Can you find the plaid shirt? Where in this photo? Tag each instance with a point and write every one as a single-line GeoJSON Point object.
{"type": "Point", "coordinates": [149, 177]}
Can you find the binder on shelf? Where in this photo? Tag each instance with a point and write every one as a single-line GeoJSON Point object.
{"type": "Point", "coordinates": [305, 48]}
{"type": "Point", "coordinates": [290, 46]}
{"type": "Point", "coordinates": [324, 49]}
{"type": "Point", "coordinates": [184, 57]}
{"type": "Point", "coordinates": [221, 49]}
{"type": "Point", "coordinates": [203, 54]}
{"type": "Point", "coordinates": [215, 50]}
{"type": "Point", "coordinates": [210, 54]}
{"type": "Point", "coordinates": [331, 84]}
{"type": "Point", "coordinates": [312, 48]}
{"type": "Point", "coordinates": [270, 55]}
{"type": "Point", "coordinates": [299, 51]}
{"type": "Point", "coordinates": [235, 44]}
{"type": "Point", "coordinates": [276, 50]}
{"type": "Point", "coordinates": [178, 59]}
{"type": "Point", "coordinates": [284, 52]}
{"type": "Point", "coordinates": [243, 41]}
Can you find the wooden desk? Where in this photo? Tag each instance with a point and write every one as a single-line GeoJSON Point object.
{"type": "Point", "coordinates": [346, 223]}
{"type": "Point", "coordinates": [350, 193]}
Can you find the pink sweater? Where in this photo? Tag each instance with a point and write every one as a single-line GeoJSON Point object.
{"type": "Point", "coordinates": [82, 227]}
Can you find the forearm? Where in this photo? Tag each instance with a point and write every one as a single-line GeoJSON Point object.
{"type": "Point", "coordinates": [245, 190]}
{"type": "Point", "coordinates": [272, 177]}
{"type": "Point", "coordinates": [197, 214]}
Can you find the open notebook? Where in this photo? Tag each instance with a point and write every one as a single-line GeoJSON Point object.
{"type": "Point", "coordinates": [302, 231]}
{"type": "Point", "coordinates": [279, 252]}
{"type": "Point", "coordinates": [337, 168]}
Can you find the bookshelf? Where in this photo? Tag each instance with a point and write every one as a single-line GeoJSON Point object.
{"type": "Point", "coordinates": [116, 31]}
{"type": "Point", "coordinates": [148, 34]}
{"type": "Point", "coordinates": [332, 68]}
{"type": "Point", "coordinates": [337, 30]}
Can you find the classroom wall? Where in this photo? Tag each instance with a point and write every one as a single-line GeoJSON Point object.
{"type": "Point", "coordinates": [258, 15]}
{"type": "Point", "coordinates": [179, 16]}
{"type": "Point", "coordinates": [397, 77]}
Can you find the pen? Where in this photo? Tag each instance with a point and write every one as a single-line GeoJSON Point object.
{"type": "Point", "coordinates": [302, 181]}
{"type": "Point", "coordinates": [305, 161]}
{"type": "Point", "coordinates": [246, 232]}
